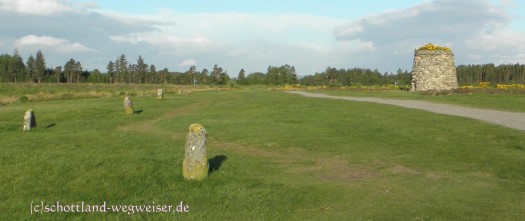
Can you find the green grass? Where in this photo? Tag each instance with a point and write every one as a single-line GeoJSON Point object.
{"type": "Point", "coordinates": [277, 156]}
{"type": "Point", "coordinates": [511, 100]}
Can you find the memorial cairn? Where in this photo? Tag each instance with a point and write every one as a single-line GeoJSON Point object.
{"type": "Point", "coordinates": [434, 69]}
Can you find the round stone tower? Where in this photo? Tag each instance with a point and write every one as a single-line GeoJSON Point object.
{"type": "Point", "coordinates": [434, 69]}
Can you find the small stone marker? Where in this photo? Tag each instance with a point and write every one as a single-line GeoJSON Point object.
{"type": "Point", "coordinates": [195, 164]}
{"type": "Point", "coordinates": [160, 94]}
{"type": "Point", "coordinates": [179, 92]}
{"type": "Point", "coordinates": [29, 120]}
{"type": "Point", "coordinates": [128, 106]}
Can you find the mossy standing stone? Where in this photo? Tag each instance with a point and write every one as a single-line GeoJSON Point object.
{"type": "Point", "coordinates": [128, 105]}
{"type": "Point", "coordinates": [195, 165]}
{"type": "Point", "coordinates": [29, 120]}
{"type": "Point", "coordinates": [160, 94]}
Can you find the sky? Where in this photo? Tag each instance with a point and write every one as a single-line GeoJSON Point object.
{"type": "Point", "coordinates": [252, 35]}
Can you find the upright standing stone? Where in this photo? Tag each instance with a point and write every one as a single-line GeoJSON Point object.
{"type": "Point", "coordinates": [29, 120]}
{"type": "Point", "coordinates": [128, 106]}
{"type": "Point", "coordinates": [434, 68]}
{"type": "Point", "coordinates": [160, 94]}
{"type": "Point", "coordinates": [179, 92]}
{"type": "Point", "coordinates": [195, 164]}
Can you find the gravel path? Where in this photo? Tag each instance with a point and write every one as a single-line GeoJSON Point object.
{"type": "Point", "coordinates": [503, 118]}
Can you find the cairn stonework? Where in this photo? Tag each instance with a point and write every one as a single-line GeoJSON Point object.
{"type": "Point", "coordinates": [160, 94]}
{"type": "Point", "coordinates": [29, 120]}
{"type": "Point", "coordinates": [434, 68]}
{"type": "Point", "coordinates": [128, 106]}
{"type": "Point", "coordinates": [195, 165]}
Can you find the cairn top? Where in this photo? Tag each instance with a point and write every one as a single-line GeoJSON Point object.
{"type": "Point", "coordinates": [432, 47]}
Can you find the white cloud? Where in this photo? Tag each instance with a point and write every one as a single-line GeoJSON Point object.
{"type": "Point", "coordinates": [38, 7]}
{"type": "Point", "coordinates": [469, 27]}
{"type": "Point", "coordinates": [477, 31]}
{"type": "Point", "coordinates": [157, 38]}
{"type": "Point", "coordinates": [57, 44]}
{"type": "Point", "coordinates": [188, 63]}
{"type": "Point", "coordinates": [90, 5]}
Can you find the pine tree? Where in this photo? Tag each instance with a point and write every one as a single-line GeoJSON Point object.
{"type": "Point", "coordinates": [78, 70]}
{"type": "Point", "coordinates": [40, 66]}
{"type": "Point", "coordinates": [152, 73]}
{"type": "Point", "coordinates": [122, 68]}
{"type": "Point", "coordinates": [141, 70]}
{"type": "Point", "coordinates": [58, 73]}
{"type": "Point", "coordinates": [16, 67]}
{"type": "Point", "coordinates": [241, 78]}
{"type": "Point", "coordinates": [69, 70]}
{"type": "Point", "coordinates": [111, 71]}
{"type": "Point", "coordinates": [31, 68]}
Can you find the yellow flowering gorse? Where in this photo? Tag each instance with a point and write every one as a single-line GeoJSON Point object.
{"type": "Point", "coordinates": [431, 47]}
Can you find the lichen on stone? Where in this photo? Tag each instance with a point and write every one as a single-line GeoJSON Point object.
{"type": "Point", "coordinates": [195, 128]}
{"type": "Point", "coordinates": [432, 47]}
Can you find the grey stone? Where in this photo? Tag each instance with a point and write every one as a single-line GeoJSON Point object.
{"type": "Point", "coordinates": [434, 70]}
{"type": "Point", "coordinates": [128, 105]}
{"type": "Point", "coordinates": [160, 94]}
{"type": "Point", "coordinates": [195, 165]}
{"type": "Point", "coordinates": [29, 120]}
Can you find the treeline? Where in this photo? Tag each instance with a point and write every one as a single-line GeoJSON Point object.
{"type": "Point", "coordinates": [466, 74]}
{"type": "Point", "coordinates": [282, 75]}
{"type": "Point", "coordinates": [501, 74]}
{"type": "Point", "coordinates": [120, 71]}
{"type": "Point", "coordinates": [14, 69]}
{"type": "Point", "coordinates": [356, 77]}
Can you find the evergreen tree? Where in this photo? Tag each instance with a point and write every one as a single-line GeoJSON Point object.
{"type": "Point", "coordinates": [40, 66]}
{"type": "Point", "coordinates": [132, 70]}
{"type": "Point", "coordinates": [16, 68]}
{"type": "Point", "coordinates": [111, 72]}
{"type": "Point", "coordinates": [58, 73]}
{"type": "Point", "coordinates": [5, 61]}
{"type": "Point", "coordinates": [152, 73]}
{"type": "Point", "coordinates": [31, 68]}
{"type": "Point", "coordinates": [141, 70]}
{"type": "Point", "coordinates": [205, 74]}
{"type": "Point", "coordinates": [122, 68]}
{"type": "Point", "coordinates": [69, 70]}
{"type": "Point", "coordinates": [219, 77]}
{"type": "Point", "coordinates": [241, 78]}
{"type": "Point", "coordinates": [78, 70]}
{"type": "Point", "coordinates": [191, 75]}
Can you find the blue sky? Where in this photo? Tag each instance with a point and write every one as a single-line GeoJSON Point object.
{"type": "Point", "coordinates": [311, 35]}
{"type": "Point", "coordinates": [336, 8]}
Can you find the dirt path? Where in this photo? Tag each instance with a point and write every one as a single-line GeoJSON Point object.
{"type": "Point", "coordinates": [508, 119]}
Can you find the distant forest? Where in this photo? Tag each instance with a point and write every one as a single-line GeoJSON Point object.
{"type": "Point", "coordinates": [34, 69]}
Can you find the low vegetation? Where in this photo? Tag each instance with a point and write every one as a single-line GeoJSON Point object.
{"type": "Point", "coordinates": [273, 156]}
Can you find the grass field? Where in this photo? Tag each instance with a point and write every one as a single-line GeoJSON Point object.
{"type": "Point", "coordinates": [273, 156]}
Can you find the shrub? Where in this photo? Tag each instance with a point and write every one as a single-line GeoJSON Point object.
{"type": "Point", "coordinates": [23, 99]}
